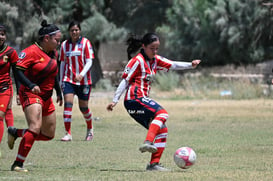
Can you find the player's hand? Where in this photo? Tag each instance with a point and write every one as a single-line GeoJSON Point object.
{"type": "Point", "coordinates": [78, 78]}
{"type": "Point", "coordinates": [18, 100]}
{"type": "Point", "coordinates": [36, 90]}
{"type": "Point", "coordinates": [111, 106]}
{"type": "Point", "coordinates": [195, 63]}
{"type": "Point", "coordinates": [59, 100]}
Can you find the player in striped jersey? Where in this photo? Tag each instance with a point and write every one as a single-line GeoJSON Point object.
{"type": "Point", "coordinates": [136, 81]}
{"type": "Point", "coordinates": [8, 59]}
{"type": "Point", "coordinates": [76, 56]}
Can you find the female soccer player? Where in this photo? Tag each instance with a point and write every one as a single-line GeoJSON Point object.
{"type": "Point", "coordinates": [136, 80]}
{"type": "Point", "coordinates": [76, 58]}
{"type": "Point", "coordinates": [8, 59]}
{"type": "Point", "coordinates": [37, 71]}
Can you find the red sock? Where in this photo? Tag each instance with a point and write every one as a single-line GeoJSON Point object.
{"type": "Point", "coordinates": [153, 129]}
{"type": "Point", "coordinates": [88, 118]}
{"type": "Point", "coordinates": [160, 119]}
{"type": "Point", "coordinates": [67, 118]}
{"type": "Point", "coordinates": [1, 128]}
{"type": "Point", "coordinates": [42, 137]}
{"type": "Point", "coordinates": [9, 118]}
{"type": "Point", "coordinates": [25, 145]}
{"type": "Point", "coordinates": [160, 143]}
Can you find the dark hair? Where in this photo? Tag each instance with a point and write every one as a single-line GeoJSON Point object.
{"type": "Point", "coordinates": [3, 28]}
{"type": "Point", "coordinates": [134, 42]}
{"type": "Point", "coordinates": [47, 29]}
{"type": "Point", "coordinates": [73, 23]}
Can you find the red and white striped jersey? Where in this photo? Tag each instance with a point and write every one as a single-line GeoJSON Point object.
{"type": "Point", "coordinates": [75, 55]}
{"type": "Point", "coordinates": [140, 73]}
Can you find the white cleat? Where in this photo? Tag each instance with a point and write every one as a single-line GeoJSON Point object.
{"type": "Point", "coordinates": [67, 137]}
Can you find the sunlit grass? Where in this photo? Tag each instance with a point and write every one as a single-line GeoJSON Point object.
{"type": "Point", "coordinates": [232, 139]}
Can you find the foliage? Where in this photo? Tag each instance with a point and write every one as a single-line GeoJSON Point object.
{"type": "Point", "coordinates": [167, 81]}
{"type": "Point", "coordinates": [219, 31]}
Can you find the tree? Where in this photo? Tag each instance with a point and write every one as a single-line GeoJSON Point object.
{"type": "Point", "coordinates": [219, 31]}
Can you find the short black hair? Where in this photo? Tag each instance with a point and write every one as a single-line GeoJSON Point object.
{"type": "Point", "coordinates": [73, 23]}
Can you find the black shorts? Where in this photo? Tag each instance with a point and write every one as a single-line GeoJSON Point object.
{"type": "Point", "coordinates": [143, 110]}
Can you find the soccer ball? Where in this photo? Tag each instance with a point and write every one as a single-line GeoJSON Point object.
{"type": "Point", "coordinates": [184, 157]}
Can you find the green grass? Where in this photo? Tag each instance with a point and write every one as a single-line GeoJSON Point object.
{"type": "Point", "coordinates": [232, 140]}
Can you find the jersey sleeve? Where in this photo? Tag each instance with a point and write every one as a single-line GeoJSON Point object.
{"type": "Point", "coordinates": [13, 57]}
{"type": "Point", "coordinates": [163, 63]}
{"type": "Point", "coordinates": [62, 54]}
{"type": "Point", "coordinates": [25, 60]}
{"type": "Point", "coordinates": [130, 70]}
{"type": "Point", "coordinates": [88, 52]}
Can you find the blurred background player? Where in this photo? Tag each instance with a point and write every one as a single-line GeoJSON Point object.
{"type": "Point", "coordinates": [37, 72]}
{"type": "Point", "coordinates": [76, 56]}
{"type": "Point", "coordinates": [8, 59]}
{"type": "Point", "coordinates": [136, 80]}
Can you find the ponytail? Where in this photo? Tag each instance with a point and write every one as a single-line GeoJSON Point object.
{"type": "Point", "coordinates": [134, 42]}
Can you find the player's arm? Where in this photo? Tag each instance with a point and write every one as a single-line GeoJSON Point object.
{"type": "Point", "coordinates": [184, 65]}
{"type": "Point", "coordinates": [86, 67]}
{"type": "Point", "coordinates": [58, 91]}
{"type": "Point", "coordinates": [121, 88]}
{"type": "Point", "coordinates": [23, 79]}
{"type": "Point", "coordinates": [17, 83]}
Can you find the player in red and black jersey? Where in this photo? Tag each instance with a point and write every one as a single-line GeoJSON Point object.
{"type": "Point", "coordinates": [136, 81]}
{"type": "Point", "coordinates": [8, 59]}
{"type": "Point", "coordinates": [37, 71]}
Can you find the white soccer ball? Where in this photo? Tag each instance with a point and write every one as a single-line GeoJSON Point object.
{"type": "Point", "coordinates": [184, 157]}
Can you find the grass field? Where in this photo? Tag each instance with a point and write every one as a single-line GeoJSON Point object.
{"type": "Point", "coordinates": [233, 140]}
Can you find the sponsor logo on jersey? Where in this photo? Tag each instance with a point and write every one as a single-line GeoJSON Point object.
{"type": "Point", "coordinates": [22, 55]}
{"type": "Point", "coordinates": [73, 53]}
{"type": "Point", "coordinates": [2, 105]}
{"type": "Point", "coordinates": [5, 58]}
{"type": "Point", "coordinates": [42, 59]}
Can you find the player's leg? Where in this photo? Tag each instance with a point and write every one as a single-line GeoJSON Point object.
{"type": "Point", "coordinates": [2, 114]}
{"type": "Point", "coordinates": [160, 143]}
{"type": "Point", "coordinates": [48, 122]}
{"type": "Point", "coordinates": [5, 97]}
{"type": "Point", "coordinates": [84, 95]}
{"type": "Point", "coordinates": [9, 119]}
{"type": "Point", "coordinates": [68, 91]}
{"type": "Point", "coordinates": [33, 115]}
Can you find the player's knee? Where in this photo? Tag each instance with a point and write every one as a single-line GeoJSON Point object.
{"type": "Point", "coordinates": [162, 115]}
{"type": "Point", "coordinates": [83, 109]}
{"type": "Point", "coordinates": [68, 104]}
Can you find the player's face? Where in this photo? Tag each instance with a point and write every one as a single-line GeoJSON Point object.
{"type": "Point", "coordinates": [2, 37]}
{"type": "Point", "coordinates": [151, 49]}
{"type": "Point", "coordinates": [54, 41]}
{"type": "Point", "coordinates": [74, 33]}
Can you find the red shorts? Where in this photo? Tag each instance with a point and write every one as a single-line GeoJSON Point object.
{"type": "Point", "coordinates": [29, 98]}
{"type": "Point", "coordinates": [5, 98]}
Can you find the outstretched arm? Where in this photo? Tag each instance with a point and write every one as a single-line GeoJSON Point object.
{"type": "Point", "coordinates": [184, 65]}
{"type": "Point", "coordinates": [121, 88]}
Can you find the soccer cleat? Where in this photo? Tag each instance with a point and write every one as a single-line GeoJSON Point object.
{"type": "Point", "coordinates": [12, 136]}
{"type": "Point", "coordinates": [67, 137]}
{"type": "Point", "coordinates": [18, 167]}
{"type": "Point", "coordinates": [156, 167]}
{"type": "Point", "coordinates": [148, 146]}
{"type": "Point", "coordinates": [89, 135]}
